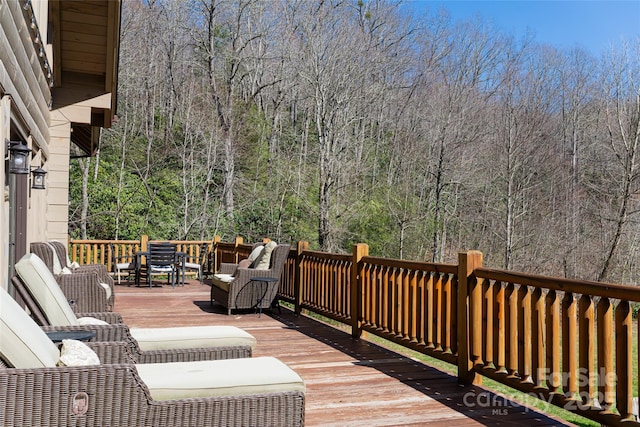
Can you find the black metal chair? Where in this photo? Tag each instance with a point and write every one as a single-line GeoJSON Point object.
{"type": "Point", "coordinates": [162, 259]}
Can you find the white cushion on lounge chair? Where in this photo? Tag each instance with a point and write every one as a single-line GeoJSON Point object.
{"type": "Point", "coordinates": [45, 290]}
{"type": "Point", "coordinates": [231, 377]}
{"type": "Point", "coordinates": [191, 337]}
{"type": "Point", "coordinates": [22, 342]}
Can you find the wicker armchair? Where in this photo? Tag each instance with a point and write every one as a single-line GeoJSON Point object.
{"type": "Point", "coordinates": [36, 392]}
{"type": "Point", "coordinates": [48, 307]}
{"type": "Point", "coordinates": [88, 288]}
{"type": "Point", "coordinates": [232, 285]}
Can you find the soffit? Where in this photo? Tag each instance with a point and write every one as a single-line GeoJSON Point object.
{"type": "Point", "coordinates": [85, 50]}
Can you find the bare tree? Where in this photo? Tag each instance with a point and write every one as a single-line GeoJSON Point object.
{"type": "Point", "coordinates": [621, 84]}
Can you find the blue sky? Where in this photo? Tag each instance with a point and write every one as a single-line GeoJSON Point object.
{"type": "Point", "coordinates": [588, 24]}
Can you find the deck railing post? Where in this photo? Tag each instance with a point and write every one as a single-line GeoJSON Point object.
{"type": "Point", "coordinates": [237, 243]}
{"type": "Point", "coordinates": [144, 239]}
{"type": "Point", "coordinates": [468, 291]}
{"type": "Point", "coordinates": [214, 262]}
{"type": "Point", "coordinates": [297, 280]}
{"type": "Point", "coordinates": [360, 250]}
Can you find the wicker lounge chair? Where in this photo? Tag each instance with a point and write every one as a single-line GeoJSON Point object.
{"type": "Point", "coordinates": [37, 392]}
{"type": "Point", "coordinates": [40, 292]}
{"type": "Point", "coordinates": [232, 285]}
{"type": "Point", "coordinates": [89, 288]}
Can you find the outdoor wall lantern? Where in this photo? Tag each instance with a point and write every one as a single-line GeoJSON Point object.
{"type": "Point", "coordinates": [19, 164]}
{"type": "Point", "coordinates": [37, 182]}
{"type": "Point", "coordinates": [18, 158]}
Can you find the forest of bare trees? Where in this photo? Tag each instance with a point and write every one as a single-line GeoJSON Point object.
{"type": "Point", "coordinates": [344, 121]}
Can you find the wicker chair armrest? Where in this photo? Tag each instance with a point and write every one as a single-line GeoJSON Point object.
{"type": "Point", "coordinates": [117, 332]}
{"type": "Point", "coordinates": [110, 317]}
{"type": "Point", "coordinates": [113, 352]}
{"type": "Point", "coordinates": [243, 275]}
{"type": "Point", "coordinates": [99, 269]}
{"type": "Point", "coordinates": [227, 268]}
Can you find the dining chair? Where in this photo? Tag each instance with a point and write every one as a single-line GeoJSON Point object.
{"type": "Point", "coordinates": [199, 261]}
{"type": "Point", "coordinates": [162, 259]}
{"type": "Point", "coordinates": [121, 263]}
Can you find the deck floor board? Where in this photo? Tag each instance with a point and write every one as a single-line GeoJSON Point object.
{"type": "Point", "coordinates": [350, 383]}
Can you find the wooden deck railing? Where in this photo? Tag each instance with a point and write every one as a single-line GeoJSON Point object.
{"type": "Point", "coordinates": [100, 251]}
{"type": "Point", "coordinates": [567, 342]}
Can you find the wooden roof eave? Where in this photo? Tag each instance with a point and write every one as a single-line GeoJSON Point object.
{"type": "Point", "coordinates": [85, 91]}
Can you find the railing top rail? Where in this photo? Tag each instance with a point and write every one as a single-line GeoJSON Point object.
{"type": "Point", "coordinates": [585, 287]}
{"type": "Point", "coordinates": [98, 241]}
{"type": "Point", "coordinates": [412, 265]}
{"type": "Point", "coordinates": [326, 255]}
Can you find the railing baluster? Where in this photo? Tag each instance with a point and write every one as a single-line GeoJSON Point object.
{"type": "Point", "coordinates": [499, 326]}
{"type": "Point", "coordinates": [475, 320]}
{"type": "Point", "coordinates": [524, 333]}
{"type": "Point", "coordinates": [624, 367]}
{"type": "Point", "coordinates": [487, 317]}
{"type": "Point", "coordinates": [606, 374]}
{"type": "Point", "coordinates": [386, 300]}
{"type": "Point", "coordinates": [538, 331]}
{"type": "Point", "coordinates": [553, 359]}
{"type": "Point", "coordinates": [438, 315]}
{"type": "Point", "coordinates": [569, 343]}
{"type": "Point", "coordinates": [511, 296]}
{"type": "Point", "coordinates": [413, 306]}
{"type": "Point", "coordinates": [429, 313]}
{"type": "Point", "coordinates": [586, 354]}
{"type": "Point", "coordinates": [404, 308]}
{"type": "Point", "coordinates": [452, 306]}
{"type": "Point", "coordinates": [421, 334]}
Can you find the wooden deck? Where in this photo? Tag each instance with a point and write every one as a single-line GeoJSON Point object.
{"type": "Point", "coordinates": [349, 382]}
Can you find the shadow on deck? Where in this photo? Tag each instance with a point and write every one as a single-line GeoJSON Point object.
{"type": "Point", "coordinates": [349, 382]}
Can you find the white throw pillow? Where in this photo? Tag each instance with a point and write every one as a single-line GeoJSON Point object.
{"type": "Point", "coordinates": [255, 254]}
{"type": "Point", "coordinates": [57, 266]}
{"type": "Point", "coordinates": [77, 353]}
{"type": "Point", "coordinates": [264, 261]}
{"type": "Point", "coordinates": [91, 321]}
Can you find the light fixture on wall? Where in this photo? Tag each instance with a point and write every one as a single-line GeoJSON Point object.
{"type": "Point", "coordinates": [19, 164]}
{"type": "Point", "coordinates": [37, 180]}
{"type": "Point", "coordinates": [18, 158]}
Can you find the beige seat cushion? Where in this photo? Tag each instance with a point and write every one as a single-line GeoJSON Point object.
{"type": "Point", "coordinates": [45, 290]}
{"type": "Point", "coordinates": [222, 281]}
{"type": "Point", "coordinates": [232, 377]}
{"type": "Point", "coordinates": [191, 337]}
{"type": "Point", "coordinates": [23, 343]}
